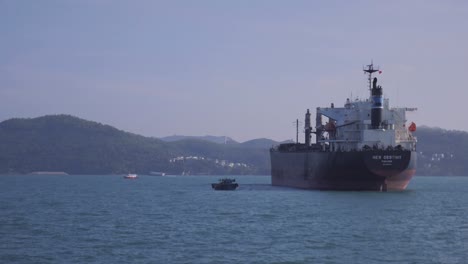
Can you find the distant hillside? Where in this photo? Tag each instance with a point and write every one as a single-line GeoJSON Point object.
{"type": "Point", "coordinates": [77, 146]}
{"type": "Point", "coordinates": [214, 139]}
{"type": "Point", "coordinates": [260, 143]}
{"type": "Point", "coordinates": [263, 143]}
{"type": "Point", "coordinates": [442, 152]}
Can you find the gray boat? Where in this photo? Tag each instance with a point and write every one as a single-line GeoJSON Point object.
{"type": "Point", "coordinates": [225, 184]}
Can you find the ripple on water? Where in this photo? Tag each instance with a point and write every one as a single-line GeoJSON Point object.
{"type": "Point", "coordinates": [105, 219]}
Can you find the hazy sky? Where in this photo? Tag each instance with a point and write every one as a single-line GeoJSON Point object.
{"type": "Point", "coordinates": [245, 69]}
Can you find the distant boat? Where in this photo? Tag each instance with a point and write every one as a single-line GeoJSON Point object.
{"type": "Point", "coordinates": [130, 176]}
{"type": "Point", "coordinates": [157, 173]}
{"type": "Point", "coordinates": [225, 185]}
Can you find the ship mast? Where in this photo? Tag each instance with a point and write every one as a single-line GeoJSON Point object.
{"type": "Point", "coordinates": [376, 97]}
{"type": "Point", "coordinates": [369, 69]}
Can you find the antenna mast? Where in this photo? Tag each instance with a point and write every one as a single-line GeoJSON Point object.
{"type": "Point", "coordinates": [296, 124]}
{"type": "Point", "coordinates": [297, 131]}
{"type": "Point", "coordinates": [369, 69]}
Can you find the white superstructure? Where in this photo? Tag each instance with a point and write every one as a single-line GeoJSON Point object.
{"type": "Point", "coordinates": [369, 123]}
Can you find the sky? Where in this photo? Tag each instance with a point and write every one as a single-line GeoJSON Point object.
{"type": "Point", "coordinates": [244, 69]}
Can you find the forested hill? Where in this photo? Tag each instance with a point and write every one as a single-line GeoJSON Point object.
{"type": "Point", "coordinates": [76, 146]}
{"type": "Point", "coordinates": [73, 145]}
{"type": "Point", "coordinates": [442, 152]}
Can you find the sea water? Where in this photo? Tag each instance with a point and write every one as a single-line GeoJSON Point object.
{"type": "Point", "coordinates": [180, 219]}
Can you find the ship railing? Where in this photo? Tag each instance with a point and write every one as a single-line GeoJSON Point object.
{"type": "Point", "coordinates": [292, 147]}
{"type": "Point", "coordinates": [338, 141]}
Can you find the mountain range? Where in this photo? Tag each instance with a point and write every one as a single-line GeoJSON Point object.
{"type": "Point", "coordinates": [214, 139]}
{"type": "Point", "coordinates": [76, 146]}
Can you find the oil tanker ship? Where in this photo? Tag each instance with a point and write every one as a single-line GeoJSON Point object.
{"type": "Point", "coordinates": [365, 145]}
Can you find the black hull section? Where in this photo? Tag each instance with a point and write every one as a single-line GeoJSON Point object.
{"type": "Point", "coordinates": [372, 170]}
{"type": "Point", "coordinates": [224, 187]}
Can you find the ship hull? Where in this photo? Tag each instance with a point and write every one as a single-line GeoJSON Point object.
{"type": "Point", "coordinates": [372, 170]}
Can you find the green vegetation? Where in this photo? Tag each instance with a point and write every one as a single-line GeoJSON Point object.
{"type": "Point", "coordinates": [76, 146]}
{"type": "Point", "coordinates": [442, 152]}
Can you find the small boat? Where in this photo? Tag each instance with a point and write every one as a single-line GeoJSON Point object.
{"type": "Point", "coordinates": [225, 184]}
{"type": "Point", "coordinates": [157, 173]}
{"type": "Point", "coordinates": [130, 176]}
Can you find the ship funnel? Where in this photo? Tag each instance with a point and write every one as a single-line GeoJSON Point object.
{"type": "Point", "coordinates": [307, 128]}
{"type": "Point", "coordinates": [377, 104]}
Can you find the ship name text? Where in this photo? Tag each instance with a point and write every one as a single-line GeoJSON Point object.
{"type": "Point", "coordinates": [386, 157]}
